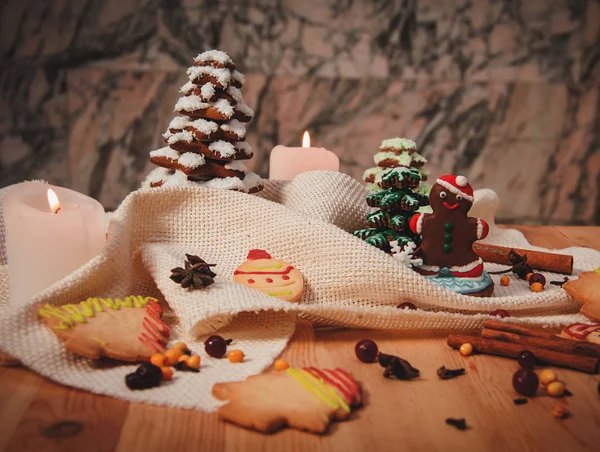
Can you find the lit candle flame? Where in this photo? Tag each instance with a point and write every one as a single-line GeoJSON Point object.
{"type": "Point", "coordinates": [53, 201]}
{"type": "Point", "coordinates": [306, 140]}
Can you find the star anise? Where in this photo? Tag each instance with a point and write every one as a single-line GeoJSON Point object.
{"type": "Point", "coordinates": [196, 274]}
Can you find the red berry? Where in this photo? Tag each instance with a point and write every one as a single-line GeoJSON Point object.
{"type": "Point", "coordinates": [537, 277]}
{"type": "Point", "coordinates": [526, 359]}
{"type": "Point", "coordinates": [366, 351]}
{"type": "Point", "coordinates": [502, 313]}
{"type": "Point", "coordinates": [407, 305]}
{"type": "Point", "coordinates": [525, 382]}
{"type": "Point", "coordinates": [215, 346]}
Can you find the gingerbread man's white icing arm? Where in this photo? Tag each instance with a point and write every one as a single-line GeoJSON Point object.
{"type": "Point", "coordinates": [482, 229]}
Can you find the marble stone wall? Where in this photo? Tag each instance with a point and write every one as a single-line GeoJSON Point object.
{"type": "Point", "coordinates": [505, 92]}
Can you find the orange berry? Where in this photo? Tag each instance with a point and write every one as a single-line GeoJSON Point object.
{"type": "Point", "coordinates": [167, 373]}
{"type": "Point", "coordinates": [157, 359]}
{"type": "Point", "coordinates": [172, 355]}
{"type": "Point", "coordinates": [505, 281]}
{"type": "Point", "coordinates": [536, 287]}
{"type": "Point", "coordinates": [281, 364]}
{"type": "Point", "coordinates": [180, 345]}
{"type": "Point", "coordinates": [466, 349]}
{"type": "Point", "coordinates": [528, 276]}
{"type": "Point", "coordinates": [183, 358]}
{"type": "Point", "coordinates": [193, 362]}
{"type": "Point", "coordinates": [235, 356]}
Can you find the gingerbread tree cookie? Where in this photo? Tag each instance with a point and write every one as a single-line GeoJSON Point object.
{"type": "Point", "coordinates": [128, 329]}
{"type": "Point", "coordinates": [305, 399]}
{"type": "Point", "coordinates": [396, 203]}
{"type": "Point", "coordinates": [394, 153]}
{"type": "Point", "coordinates": [448, 235]}
{"type": "Point", "coordinates": [206, 145]}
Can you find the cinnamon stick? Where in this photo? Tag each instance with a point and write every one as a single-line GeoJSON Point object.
{"type": "Point", "coordinates": [517, 329]}
{"type": "Point", "coordinates": [558, 344]}
{"type": "Point", "coordinates": [555, 263]}
{"type": "Point", "coordinates": [510, 350]}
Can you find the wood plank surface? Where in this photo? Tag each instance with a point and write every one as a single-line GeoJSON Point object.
{"type": "Point", "coordinates": [36, 414]}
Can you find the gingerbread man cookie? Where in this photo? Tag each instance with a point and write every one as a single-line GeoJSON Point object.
{"type": "Point", "coordinates": [448, 236]}
{"type": "Point", "coordinates": [305, 399]}
{"type": "Point", "coordinates": [128, 329]}
{"type": "Point", "coordinates": [270, 276]}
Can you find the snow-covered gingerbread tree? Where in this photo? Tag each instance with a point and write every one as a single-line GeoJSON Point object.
{"type": "Point", "coordinates": [395, 153]}
{"type": "Point", "coordinates": [207, 143]}
{"type": "Point", "coordinates": [395, 204]}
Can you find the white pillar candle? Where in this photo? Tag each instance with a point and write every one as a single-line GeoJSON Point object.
{"type": "Point", "coordinates": [45, 243]}
{"type": "Point", "coordinates": [286, 162]}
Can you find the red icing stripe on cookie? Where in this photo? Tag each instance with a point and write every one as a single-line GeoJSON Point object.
{"type": "Point", "coordinates": [284, 272]}
{"type": "Point", "coordinates": [351, 381]}
{"type": "Point", "coordinates": [258, 254]}
{"type": "Point", "coordinates": [337, 386]}
{"type": "Point", "coordinates": [144, 339]}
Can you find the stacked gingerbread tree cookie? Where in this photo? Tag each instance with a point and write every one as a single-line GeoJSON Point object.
{"type": "Point", "coordinates": [206, 143]}
{"type": "Point", "coordinates": [395, 153]}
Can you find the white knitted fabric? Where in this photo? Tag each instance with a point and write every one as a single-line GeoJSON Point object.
{"type": "Point", "coordinates": [347, 282]}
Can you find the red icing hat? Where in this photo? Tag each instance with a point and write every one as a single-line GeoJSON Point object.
{"type": "Point", "coordinates": [459, 185]}
{"type": "Point", "coordinates": [258, 254]}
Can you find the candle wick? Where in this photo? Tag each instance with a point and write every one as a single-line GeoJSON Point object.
{"type": "Point", "coordinates": [58, 209]}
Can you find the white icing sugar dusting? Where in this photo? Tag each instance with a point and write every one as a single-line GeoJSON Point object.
{"type": "Point", "coordinates": [402, 159]}
{"type": "Point", "coordinates": [252, 180]}
{"type": "Point", "coordinates": [235, 93]}
{"type": "Point", "coordinates": [190, 103]}
{"type": "Point", "coordinates": [224, 108]}
{"type": "Point", "coordinates": [159, 174]}
{"type": "Point", "coordinates": [398, 143]}
{"type": "Point", "coordinates": [223, 76]}
{"type": "Point", "coordinates": [207, 91]}
{"type": "Point", "coordinates": [213, 55]}
{"type": "Point", "coordinates": [226, 183]}
{"type": "Point", "coordinates": [191, 160]}
{"type": "Point", "coordinates": [223, 148]}
{"type": "Point", "coordinates": [188, 87]}
{"type": "Point", "coordinates": [236, 165]}
{"type": "Point", "coordinates": [418, 158]}
{"type": "Point", "coordinates": [202, 125]}
{"type": "Point", "coordinates": [235, 127]}
{"type": "Point", "coordinates": [165, 152]}
{"type": "Point", "coordinates": [245, 110]}
{"type": "Point", "coordinates": [244, 146]}
{"type": "Point", "coordinates": [238, 77]}
{"type": "Point", "coordinates": [179, 178]}
{"type": "Point", "coordinates": [184, 135]}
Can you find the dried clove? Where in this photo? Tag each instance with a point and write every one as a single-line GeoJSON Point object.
{"type": "Point", "coordinates": [397, 367]}
{"type": "Point", "coordinates": [560, 283]}
{"type": "Point", "coordinates": [446, 374]}
{"type": "Point", "coordinates": [460, 424]}
{"type": "Point", "coordinates": [520, 401]}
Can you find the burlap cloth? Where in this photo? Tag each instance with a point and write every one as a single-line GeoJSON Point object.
{"type": "Point", "coordinates": [348, 282]}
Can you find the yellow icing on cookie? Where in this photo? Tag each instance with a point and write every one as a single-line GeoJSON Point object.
{"type": "Point", "coordinates": [272, 267]}
{"type": "Point", "coordinates": [317, 388]}
{"type": "Point", "coordinates": [277, 294]}
{"type": "Point", "coordinates": [103, 343]}
{"type": "Point", "coordinates": [332, 391]}
{"type": "Point", "coordinates": [597, 270]}
{"type": "Point", "coordinates": [80, 311]}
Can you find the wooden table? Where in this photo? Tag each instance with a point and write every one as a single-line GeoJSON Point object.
{"type": "Point", "coordinates": [398, 415]}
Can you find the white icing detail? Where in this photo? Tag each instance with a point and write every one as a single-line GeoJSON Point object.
{"type": "Point", "coordinates": [398, 143]}
{"type": "Point", "coordinates": [418, 158]}
{"type": "Point", "coordinates": [244, 147]}
{"type": "Point", "coordinates": [213, 55]}
{"type": "Point", "coordinates": [223, 148]}
{"type": "Point", "coordinates": [461, 181]}
{"type": "Point", "coordinates": [238, 77]}
{"type": "Point", "coordinates": [207, 91]}
{"type": "Point", "coordinates": [184, 135]}
{"type": "Point", "coordinates": [159, 174]}
{"type": "Point", "coordinates": [179, 178]}
{"type": "Point", "coordinates": [479, 228]}
{"type": "Point", "coordinates": [223, 107]}
{"type": "Point", "coordinates": [454, 190]}
{"type": "Point", "coordinates": [190, 103]}
{"type": "Point", "coordinates": [202, 125]}
{"type": "Point", "coordinates": [457, 268]}
{"type": "Point", "coordinates": [245, 110]}
{"type": "Point", "coordinates": [420, 222]}
{"type": "Point", "coordinates": [222, 75]}
{"type": "Point", "coordinates": [191, 160]}
{"type": "Point", "coordinates": [235, 127]}
{"type": "Point", "coordinates": [165, 152]}
{"type": "Point", "coordinates": [236, 165]}
{"type": "Point", "coordinates": [186, 88]}
{"type": "Point", "coordinates": [235, 93]}
{"type": "Point", "coordinates": [406, 256]}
